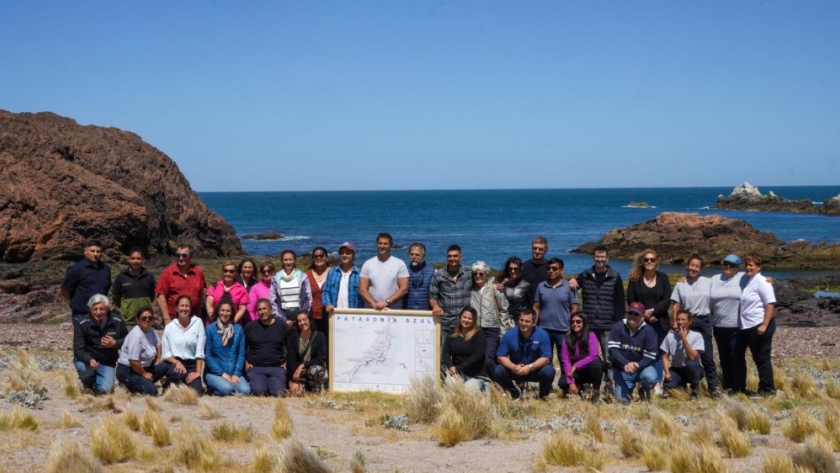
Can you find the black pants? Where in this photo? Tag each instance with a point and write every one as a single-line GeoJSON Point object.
{"type": "Point", "coordinates": [592, 374]}
{"type": "Point", "coordinates": [701, 325]}
{"type": "Point", "coordinates": [760, 346]}
{"type": "Point", "coordinates": [603, 335]}
{"type": "Point", "coordinates": [727, 339]}
{"type": "Point", "coordinates": [691, 374]}
{"type": "Point", "coordinates": [181, 378]}
{"type": "Point", "coordinates": [323, 325]}
{"type": "Point", "coordinates": [138, 384]}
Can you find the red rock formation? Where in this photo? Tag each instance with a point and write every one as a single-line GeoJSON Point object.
{"type": "Point", "coordinates": [676, 235]}
{"type": "Point", "coordinates": [62, 183]}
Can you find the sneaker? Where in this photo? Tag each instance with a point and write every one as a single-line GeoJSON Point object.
{"type": "Point", "coordinates": [664, 395]}
{"type": "Point", "coordinates": [644, 394]}
{"type": "Point", "coordinates": [695, 397]}
{"type": "Point", "coordinates": [715, 394]}
{"type": "Point", "coordinates": [595, 399]}
{"type": "Point", "coordinates": [657, 389]}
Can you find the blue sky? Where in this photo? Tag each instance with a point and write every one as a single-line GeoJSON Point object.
{"type": "Point", "coordinates": [445, 95]}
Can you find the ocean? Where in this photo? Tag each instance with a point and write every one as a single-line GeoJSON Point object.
{"type": "Point", "coordinates": [491, 225]}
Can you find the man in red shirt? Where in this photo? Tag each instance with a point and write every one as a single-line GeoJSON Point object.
{"type": "Point", "coordinates": [182, 278]}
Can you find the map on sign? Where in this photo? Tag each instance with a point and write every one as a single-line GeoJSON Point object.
{"type": "Point", "coordinates": [381, 351]}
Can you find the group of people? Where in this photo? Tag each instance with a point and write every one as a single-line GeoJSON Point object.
{"type": "Point", "coordinates": [263, 331]}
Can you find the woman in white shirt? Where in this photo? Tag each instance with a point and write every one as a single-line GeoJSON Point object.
{"type": "Point", "coordinates": [758, 301]}
{"type": "Point", "coordinates": [183, 346]}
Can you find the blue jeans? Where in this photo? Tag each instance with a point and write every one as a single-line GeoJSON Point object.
{"type": "Point", "coordinates": [556, 337]}
{"type": "Point", "coordinates": [493, 337]}
{"type": "Point", "coordinates": [626, 382]}
{"type": "Point", "coordinates": [101, 379]}
{"type": "Point", "coordinates": [218, 386]}
{"type": "Point", "coordinates": [545, 376]}
{"type": "Point", "coordinates": [657, 363]}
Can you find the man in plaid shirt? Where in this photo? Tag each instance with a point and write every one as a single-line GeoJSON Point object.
{"type": "Point", "coordinates": [450, 291]}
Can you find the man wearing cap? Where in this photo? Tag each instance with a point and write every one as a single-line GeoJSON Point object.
{"type": "Point", "coordinates": [450, 290]}
{"type": "Point", "coordinates": [182, 278]}
{"type": "Point", "coordinates": [419, 279]}
{"type": "Point", "coordinates": [85, 279]}
{"type": "Point", "coordinates": [341, 289]}
{"type": "Point", "coordinates": [524, 354]}
{"type": "Point", "coordinates": [383, 280]}
{"type": "Point", "coordinates": [632, 347]}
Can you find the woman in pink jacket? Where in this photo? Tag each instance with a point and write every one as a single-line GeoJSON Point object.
{"type": "Point", "coordinates": [261, 290]}
{"type": "Point", "coordinates": [230, 289]}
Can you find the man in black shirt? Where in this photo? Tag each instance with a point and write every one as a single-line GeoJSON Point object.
{"type": "Point", "coordinates": [535, 270]}
{"type": "Point", "coordinates": [85, 279]}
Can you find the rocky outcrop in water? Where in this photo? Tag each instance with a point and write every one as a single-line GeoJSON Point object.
{"type": "Point", "coordinates": [63, 183]}
{"type": "Point", "coordinates": [748, 197]}
{"type": "Point", "coordinates": [676, 235]}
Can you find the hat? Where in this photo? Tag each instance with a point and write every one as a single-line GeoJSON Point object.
{"type": "Point", "coordinates": [636, 308]}
{"type": "Point", "coordinates": [734, 259]}
{"type": "Point", "coordinates": [347, 245]}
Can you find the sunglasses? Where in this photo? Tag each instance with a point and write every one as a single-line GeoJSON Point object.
{"type": "Point", "coordinates": [145, 319]}
{"type": "Point", "coordinates": [553, 269]}
{"type": "Point", "coordinates": [513, 270]}
{"type": "Point", "coordinates": [319, 256]}
{"type": "Point", "coordinates": [577, 322]}
{"type": "Point", "coordinates": [182, 255]}
{"type": "Point", "coordinates": [479, 274]}
{"type": "Point", "coordinates": [266, 271]}
{"type": "Point", "coordinates": [730, 265]}
{"type": "Point", "coordinates": [650, 260]}
{"type": "Point", "coordinates": [633, 314]}
{"type": "Point", "coordinates": [229, 271]}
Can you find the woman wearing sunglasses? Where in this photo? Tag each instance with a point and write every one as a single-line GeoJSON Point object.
{"type": "Point", "coordinates": [230, 289]}
{"type": "Point", "coordinates": [139, 366]}
{"type": "Point", "coordinates": [516, 290]}
{"type": "Point", "coordinates": [260, 290]}
{"type": "Point", "coordinates": [580, 355]}
{"type": "Point", "coordinates": [651, 287]}
{"type": "Point", "coordinates": [491, 307]}
{"type": "Point", "coordinates": [317, 276]}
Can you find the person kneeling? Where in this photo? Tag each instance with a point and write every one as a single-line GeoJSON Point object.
{"type": "Point", "coordinates": [265, 353]}
{"type": "Point", "coordinates": [525, 355]}
{"type": "Point", "coordinates": [680, 357]}
{"type": "Point", "coordinates": [632, 347]}
{"type": "Point", "coordinates": [580, 355]}
{"type": "Point", "coordinates": [224, 353]}
{"type": "Point", "coordinates": [306, 357]}
{"type": "Point", "coordinates": [140, 365]}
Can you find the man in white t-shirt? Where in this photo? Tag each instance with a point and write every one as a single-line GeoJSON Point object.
{"type": "Point", "coordinates": [384, 279]}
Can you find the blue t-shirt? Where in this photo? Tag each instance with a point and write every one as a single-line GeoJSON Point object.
{"type": "Point", "coordinates": [555, 305]}
{"type": "Point", "coordinates": [84, 280]}
{"type": "Point", "coordinates": [522, 350]}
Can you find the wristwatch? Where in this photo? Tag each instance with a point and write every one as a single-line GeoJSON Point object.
{"type": "Point", "coordinates": [530, 367]}
{"type": "Point", "coordinates": [388, 301]}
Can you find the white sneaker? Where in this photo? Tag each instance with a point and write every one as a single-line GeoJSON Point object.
{"type": "Point", "coordinates": [657, 390]}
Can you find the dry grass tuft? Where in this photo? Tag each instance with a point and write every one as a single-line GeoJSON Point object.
{"type": "Point", "coordinates": [154, 426]}
{"type": "Point", "coordinates": [68, 421]}
{"type": "Point", "coordinates": [112, 441]}
{"type": "Point", "coordinates": [69, 457]}
{"type": "Point", "coordinates": [663, 425]}
{"type": "Point", "coordinates": [780, 378]}
{"type": "Point", "coordinates": [832, 389]}
{"type": "Point", "coordinates": [816, 456]}
{"type": "Point", "coordinates": [282, 426]}
{"type": "Point", "coordinates": [630, 443]}
{"type": "Point", "coordinates": [593, 425]}
{"type": "Point", "coordinates": [25, 374]}
{"type": "Point", "coordinates": [465, 414]}
{"type": "Point", "coordinates": [703, 458]}
{"type": "Point", "coordinates": [423, 400]}
{"type": "Point", "coordinates": [181, 394]}
{"type": "Point", "coordinates": [18, 419]}
{"type": "Point", "coordinates": [72, 386]}
{"type": "Point", "coordinates": [733, 441]}
{"type": "Point", "coordinates": [295, 458]}
{"type": "Point", "coordinates": [194, 451]}
{"type": "Point", "coordinates": [130, 419]}
{"type": "Point", "coordinates": [152, 404]}
{"type": "Point", "coordinates": [265, 459]}
{"type": "Point", "coordinates": [208, 411]}
{"type": "Point", "coordinates": [705, 431]}
{"type": "Point", "coordinates": [230, 433]}
{"type": "Point", "coordinates": [748, 418]}
{"type": "Point", "coordinates": [564, 449]}
{"type": "Point", "coordinates": [752, 380]}
{"type": "Point", "coordinates": [801, 425]}
{"type": "Point", "coordinates": [101, 404]}
{"type": "Point", "coordinates": [358, 462]}
{"type": "Point", "coordinates": [778, 464]}
{"type": "Point", "coordinates": [831, 421]}
{"type": "Point", "coordinates": [803, 385]}
{"type": "Point", "coordinates": [655, 454]}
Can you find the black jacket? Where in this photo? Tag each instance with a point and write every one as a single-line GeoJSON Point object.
{"type": "Point", "coordinates": [603, 304]}
{"type": "Point", "coordinates": [660, 302]}
{"type": "Point", "coordinates": [318, 349]}
{"type": "Point", "coordinates": [87, 344]}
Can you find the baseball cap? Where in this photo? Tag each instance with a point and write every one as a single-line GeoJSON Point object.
{"type": "Point", "coordinates": [347, 245]}
{"type": "Point", "coordinates": [734, 259]}
{"type": "Point", "coordinates": [636, 308]}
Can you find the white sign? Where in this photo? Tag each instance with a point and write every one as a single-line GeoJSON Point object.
{"type": "Point", "coordinates": [374, 350]}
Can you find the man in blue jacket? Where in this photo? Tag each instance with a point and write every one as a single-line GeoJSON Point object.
{"type": "Point", "coordinates": [419, 279]}
{"type": "Point", "coordinates": [525, 355]}
{"type": "Point", "coordinates": [633, 348]}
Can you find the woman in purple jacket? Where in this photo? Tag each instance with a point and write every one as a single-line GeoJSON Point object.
{"type": "Point", "coordinates": [580, 354]}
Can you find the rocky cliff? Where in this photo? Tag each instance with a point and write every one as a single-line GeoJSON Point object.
{"type": "Point", "coordinates": [676, 235]}
{"type": "Point", "coordinates": [748, 197]}
{"type": "Point", "coordinates": [62, 183]}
